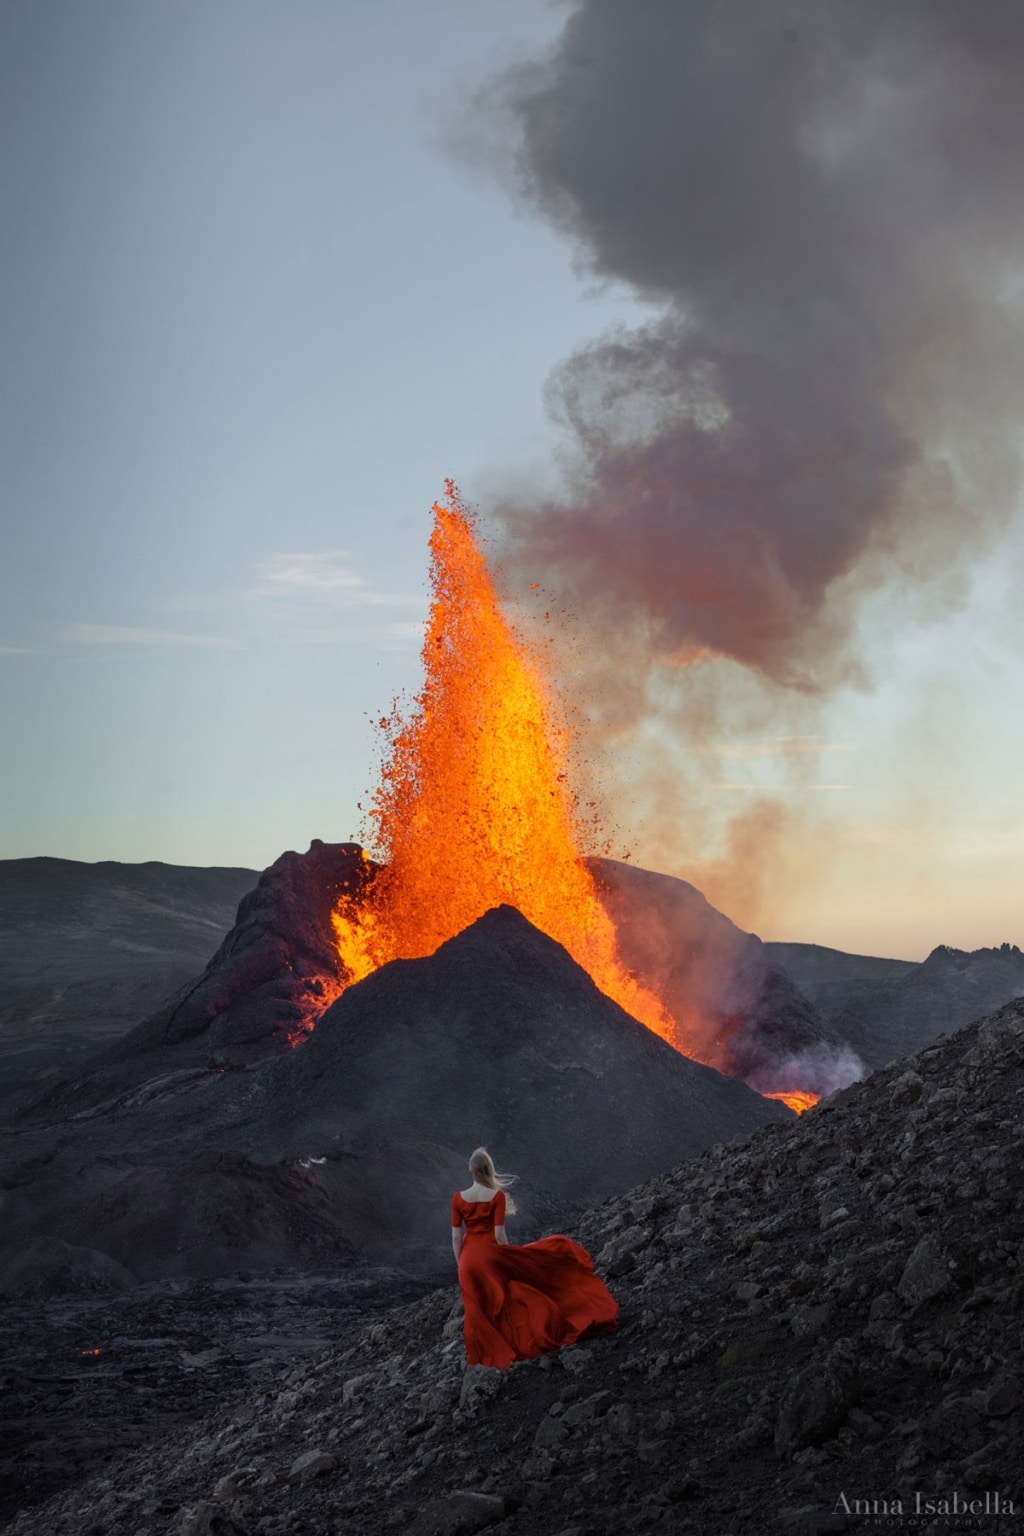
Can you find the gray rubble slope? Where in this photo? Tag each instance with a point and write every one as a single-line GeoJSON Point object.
{"type": "Point", "coordinates": [824, 1309]}
{"type": "Point", "coordinates": [86, 950]}
{"type": "Point", "coordinates": [500, 1038]}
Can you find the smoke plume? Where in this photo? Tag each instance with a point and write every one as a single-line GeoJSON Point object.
{"type": "Point", "coordinates": [821, 202]}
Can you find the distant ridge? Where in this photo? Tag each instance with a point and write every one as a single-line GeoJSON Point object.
{"type": "Point", "coordinates": [815, 965]}
{"type": "Point", "coordinates": [86, 950]}
{"type": "Point", "coordinates": [887, 1009]}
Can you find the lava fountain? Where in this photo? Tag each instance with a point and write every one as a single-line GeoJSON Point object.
{"type": "Point", "coordinates": [473, 808]}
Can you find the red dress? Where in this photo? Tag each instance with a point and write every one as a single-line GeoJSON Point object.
{"type": "Point", "coordinates": [522, 1299]}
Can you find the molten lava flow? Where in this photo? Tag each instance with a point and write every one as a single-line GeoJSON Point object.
{"type": "Point", "coordinates": [322, 993]}
{"type": "Point", "coordinates": [796, 1100]}
{"type": "Point", "coordinates": [473, 808]}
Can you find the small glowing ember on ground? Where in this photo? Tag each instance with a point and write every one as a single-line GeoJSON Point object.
{"type": "Point", "coordinates": [97, 1351]}
{"type": "Point", "coordinates": [796, 1100]}
{"type": "Point", "coordinates": [327, 993]}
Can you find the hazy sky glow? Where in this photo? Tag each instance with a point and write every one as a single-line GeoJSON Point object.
{"type": "Point", "coordinates": [256, 309]}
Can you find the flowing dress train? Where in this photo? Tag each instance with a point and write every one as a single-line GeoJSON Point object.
{"type": "Point", "coordinates": [522, 1299]}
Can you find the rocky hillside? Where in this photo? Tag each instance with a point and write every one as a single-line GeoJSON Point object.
{"type": "Point", "coordinates": [267, 983]}
{"type": "Point", "coordinates": [278, 969]}
{"type": "Point", "coordinates": [499, 1037]}
{"type": "Point", "coordinates": [745, 1012]}
{"type": "Point", "coordinates": [821, 1326]}
{"type": "Point", "coordinates": [816, 969]}
{"type": "Point", "coordinates": [885, 1009]}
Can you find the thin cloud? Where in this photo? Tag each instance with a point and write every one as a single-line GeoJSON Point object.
{"type": "Point", "coordinates": [900, 837]}
{"type": "Point", "coordinates": [119, 634]}
{"type": "Point", "coordinates": [15, 650]}
{"type": "Point", "coordinates": [777, 789]}
{"type": "Point", "coordinates": [401, 635]}
{"type": "Point", "coordinates": [325, 576]}
{"type": "Point", "coordinates": [785, 746]}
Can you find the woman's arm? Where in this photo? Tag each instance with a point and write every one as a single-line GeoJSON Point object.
{"type": "Point", "coordinates": [499, 1218]}
{"type": "Point", "coordinates": [456, 1226]}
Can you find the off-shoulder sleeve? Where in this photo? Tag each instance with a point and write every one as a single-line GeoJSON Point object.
{"type": "Point", "coordinates": [456, 1213]}
{"type": "Point", "coordinates": [499, 1209]}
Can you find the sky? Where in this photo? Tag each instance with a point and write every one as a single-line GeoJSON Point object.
{"type": "Point", "coordinates": [271, 273]}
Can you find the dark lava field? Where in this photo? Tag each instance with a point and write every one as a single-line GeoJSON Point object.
{"type": "Point", "coordinates": [87, 1377]}
{"type": "Point", "coordinates": [227, 1299]}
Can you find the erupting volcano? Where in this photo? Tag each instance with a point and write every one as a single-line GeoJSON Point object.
{"type": "Point", "coordinates": [474, 809]}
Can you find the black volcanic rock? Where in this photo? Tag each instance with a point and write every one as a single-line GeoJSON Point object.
{"type": "Point", "coordinates": [887, 1009]}
{"type": "Point", "coordinates": [501, 1038]}
{"type": "Point", "coordinates": [824, 1308]}
{"type": "Point", "coordinates": [87, 950]}
{"type": "Point", "coordinates": [220, 1212]}
{"type": "Point", "coordinates": [276, 967]}
{"type": "Point", "coordinates": [192, 1202]}
{"type": "Point", "coordinates": [745, 1012]}
{"type": "Point", "coordinates": [49, 1265]}
{"type": "Point", "coordinates": [272, 976]}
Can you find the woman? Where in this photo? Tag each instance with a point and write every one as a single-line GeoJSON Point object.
{"type": "Point", "coordinates": [519, 1299]}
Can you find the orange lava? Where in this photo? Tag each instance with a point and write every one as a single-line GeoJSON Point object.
{"type": "Point", "coordinates": [473, 807]}
{"type": "Point", "coordinates": [796, 1100]}
{"type": "Point", "coordinates": [328, 992]}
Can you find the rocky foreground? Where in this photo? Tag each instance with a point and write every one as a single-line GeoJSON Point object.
{"type": "Point", "coordinates": [88, 1374]}
{"type": "Point", "coordinates": [821, 1332]}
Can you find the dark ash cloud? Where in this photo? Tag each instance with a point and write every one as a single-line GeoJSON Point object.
{"type": "Point", "coordinates": [822, 201]}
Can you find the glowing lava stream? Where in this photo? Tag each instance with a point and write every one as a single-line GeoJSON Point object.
{"type": "Point", "coordinates": [472, 809]}
{"type": "Point", "coordinates": [797, 1099]}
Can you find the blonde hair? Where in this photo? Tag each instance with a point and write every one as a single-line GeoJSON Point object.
{"type": "Point", "coordinates": [481, 1166]}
